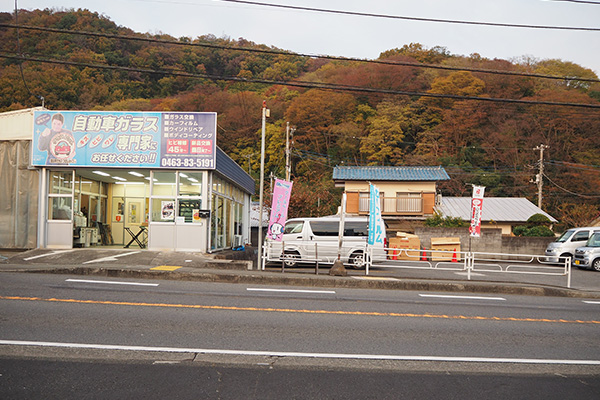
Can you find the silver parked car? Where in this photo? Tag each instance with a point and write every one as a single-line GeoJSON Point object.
{"type": "Point", "coordinates": [564, 246]}
{"type": "Point", "coordinates": [588, 256]}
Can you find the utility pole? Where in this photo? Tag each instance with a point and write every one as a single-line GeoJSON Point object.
{"type": "Point", "coordinates": [287, 151]}
{"type": "Point", "coordinates": [288, 167]}
{"type": "Point", "coordinates": [265, 114]}
{"type": "Point", "coordinates": [539, 177]}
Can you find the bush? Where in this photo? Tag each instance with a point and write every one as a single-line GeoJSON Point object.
{"type": "Point", "coordinates": [532, 231]}
{"type": "Point", "coordinates": [538, 219]}
{"type": "Point", "coordinates": [449, 222]}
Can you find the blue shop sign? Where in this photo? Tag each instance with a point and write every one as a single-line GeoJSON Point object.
{"type": "Point", "coordinates": [182, 140]}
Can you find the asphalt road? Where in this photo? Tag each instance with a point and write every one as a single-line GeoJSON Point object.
{"type": "Point", "coordinates": [55, 379]}
{"type": "Point", "coordinates": [257, 336]}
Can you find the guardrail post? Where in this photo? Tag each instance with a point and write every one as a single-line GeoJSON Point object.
{"type": "Point", "coordinates": [568, 270]}
{"type": "Point", "coordinates": [316, 259]}
{"type": "Point", "coordinates": [470, 262]}
{"type": "Point", "coordinates": [282, 257]}
{"type": "Point", "coordinates": [263, 256]}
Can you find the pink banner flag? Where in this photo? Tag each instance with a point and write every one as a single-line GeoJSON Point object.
{"type": "Point", "coordinates": [279, 209]}
{"type": "Point", "coordinates": [476, 210]}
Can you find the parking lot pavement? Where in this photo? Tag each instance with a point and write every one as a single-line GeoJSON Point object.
{"type": "Point", "coordinates": [231, 266]}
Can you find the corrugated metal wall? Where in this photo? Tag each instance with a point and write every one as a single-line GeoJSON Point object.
{"type": "Point", "coordinates": [19, 194]}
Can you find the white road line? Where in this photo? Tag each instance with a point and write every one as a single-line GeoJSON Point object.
{"type": "Point", "coordinates": [591, 302]}
{"type": "Point", "coordinates": [290, 290]}
{"type": "Point", "coordinates": [111, 258]}
{"type": "Point", "coordinates": [443, 296]}
{"type": "Point", "coordinates": [302, 355]}
{"type": "Point", "coordinates": [112, 282]}
{"type": "Point", "coordinates": [47, 254]}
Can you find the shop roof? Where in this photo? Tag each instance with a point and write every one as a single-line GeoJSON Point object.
{"type": "Point", "coordinates": [230, 169]}
{"type": "Point", "coordinates": [404, 173]}
{"type": "Point", "coordinates": [499, 209]}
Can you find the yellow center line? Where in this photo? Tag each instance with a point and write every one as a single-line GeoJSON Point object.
{"type": "Point", "coordinates": [300, 311]}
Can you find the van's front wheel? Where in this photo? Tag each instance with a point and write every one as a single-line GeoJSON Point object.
{"type": "Point", "coordinates": [357, 260]}
{"type": "Point", "coordinates": [290, 259]}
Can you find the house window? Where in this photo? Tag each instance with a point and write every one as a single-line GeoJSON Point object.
{"type": "Point", "coordinates": [407, 202]}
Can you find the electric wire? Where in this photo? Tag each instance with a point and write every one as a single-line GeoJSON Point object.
{"type": "Point", "coordinates": [419, 19]}
{"type": "Point", "coordinates": [302, 84]}
{"type": "Point", "coordinates": [587, 196]}
{"type": "Point", "coordinates": [21, 63]}
{"type": "Point", "coordinates": [293, 54]}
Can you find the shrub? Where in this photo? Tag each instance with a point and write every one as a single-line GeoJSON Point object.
{"type": "Point", "coordinates": [536, 230]}
{"type": "Point", "coordinates": [538, 219]}
{"type": "Point", "coordinates": [449, 222]}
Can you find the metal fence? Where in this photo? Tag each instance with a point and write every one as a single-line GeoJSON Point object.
{"type": "Point", "coordinates": [433, 260]}
{"type": "Point", "coordinates": [473, 262]}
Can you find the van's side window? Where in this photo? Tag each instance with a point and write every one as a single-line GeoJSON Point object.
{"type": "Point", "coordinates": [331, 228]}
{"type": "Point", "coordinates": [325, 228]}
{"type": "Point", "coordinates": [356, 229]}
{"type": "Point", "coordinates": [581, 236]}
{"type": "Point", "coordinates": [293, 227]}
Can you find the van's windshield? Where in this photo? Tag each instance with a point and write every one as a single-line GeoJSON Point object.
{"type": "Point", "coordinates": [594, 240]}
{"type": "Point", "coordinates": [565, 236]}
{"type": "Point", "coordinates": [293, 227]}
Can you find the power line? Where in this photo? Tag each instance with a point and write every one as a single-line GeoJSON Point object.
{"type": "Point", "coordinates": [386, 16]}
{"type": "Point", "coordinates": [583, 167]}
{"type": "Point", "coordinates": [293, 54]}
{"type": "Point", "coordinates": [579, 1]}
{"type": "Point", "coordinates": [302, 84]}
{"type": "Point", "coordinates": [570, 192]}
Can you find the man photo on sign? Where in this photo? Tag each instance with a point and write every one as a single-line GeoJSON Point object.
{"type": "Point", "coordinates": [58, 142]}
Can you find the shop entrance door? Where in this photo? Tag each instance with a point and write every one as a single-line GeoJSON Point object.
{"type": "Point", "coordinates": [59, 215]}
{"type": "Point", "coordinates": [135, 225]}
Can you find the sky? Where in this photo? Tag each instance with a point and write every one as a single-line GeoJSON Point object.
{"type": "Point", "coordinates": [319, 33]}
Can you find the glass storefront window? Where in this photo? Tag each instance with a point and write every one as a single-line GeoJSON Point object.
{"type": "Point", "coordinates": [163, 210]}
{"type": "Point", "coordinates": [90, 186]}
{"type": "Point", "coordinates": [190, 209]}
{"type": "Point", "coordinates": [61, 182]}
{"type": "Point", "coordinates": [190, 183]}
{"type": "Point", "coordinates": [59, 208]}
{"type": "Point", "coordinates": [163, 183]}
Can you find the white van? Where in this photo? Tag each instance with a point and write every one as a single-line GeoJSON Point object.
{"type": "Point", "coordinates": [317, 239]}
{"type": "Point", "coordinates": [566, 244]}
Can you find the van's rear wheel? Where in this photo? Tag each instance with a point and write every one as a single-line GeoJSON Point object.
{"type": "Point", "coordinates": [357, 260]}
{"type": "Point", "coordinates": [290, 259]}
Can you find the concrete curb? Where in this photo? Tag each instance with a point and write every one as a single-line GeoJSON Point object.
{"type": "Point", "coordinates": [231, 275]}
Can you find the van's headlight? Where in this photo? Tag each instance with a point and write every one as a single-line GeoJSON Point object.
{"type": "Point", "coordinates": [551, 251]}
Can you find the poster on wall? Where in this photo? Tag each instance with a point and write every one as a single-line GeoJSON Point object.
{"type": "Point", "coordinates": [133, 213]}
{"type": "Point", "coordinates": [179, 140]}
{"type": "Point", "coordinates": [196, 216]}
{"type": "Point", "coordinates": [167, 210]}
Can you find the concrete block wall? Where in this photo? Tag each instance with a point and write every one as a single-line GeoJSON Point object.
{"type": "Point", "coordinates": [490, 241]}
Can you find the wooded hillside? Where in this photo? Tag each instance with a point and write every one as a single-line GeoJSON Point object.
{"type": "Point", "coordinates": [411, 106]}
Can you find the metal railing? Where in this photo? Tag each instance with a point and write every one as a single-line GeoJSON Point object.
{"type": "Point", "coordinates": [473, 262]}
{"type": "Point", "coordinates": [433, 260]}
{"type": "Point", "coordinates": [394, 205]}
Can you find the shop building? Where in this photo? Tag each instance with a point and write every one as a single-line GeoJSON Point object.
{"type": "Point", "coordinates": [153, 180]}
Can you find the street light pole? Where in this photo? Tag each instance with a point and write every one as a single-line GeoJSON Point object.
{"type": "Point", "coordinates": [262, 185]}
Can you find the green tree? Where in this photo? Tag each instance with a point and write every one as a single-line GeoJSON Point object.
{"type": "Point", "coordinates": [382, 145]}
